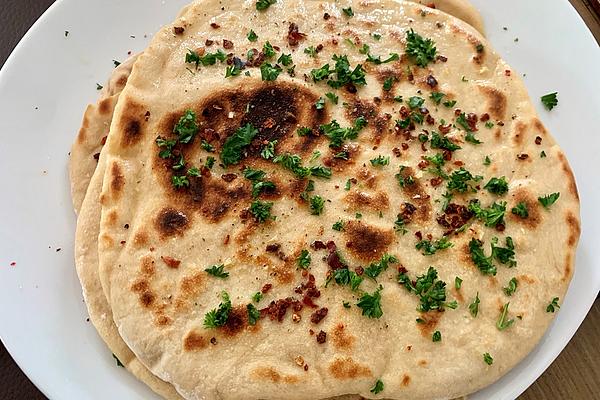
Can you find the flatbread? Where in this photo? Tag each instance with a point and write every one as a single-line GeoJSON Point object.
{"type": "Point", "coordinates": [133, 193]}
{"type": "Point", "coordinates": [85, 151]}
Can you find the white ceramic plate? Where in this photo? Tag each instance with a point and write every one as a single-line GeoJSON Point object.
{"type": "Point", "coordinates": [49, 79]}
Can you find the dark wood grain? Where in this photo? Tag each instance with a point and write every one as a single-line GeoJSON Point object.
{"type": "Point", "coordinates": [575, 375]}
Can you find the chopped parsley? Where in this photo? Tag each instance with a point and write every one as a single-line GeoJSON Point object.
{"type": "Point", "coordinates": [348, 185]}
{"type": "Point", "coordinates": [316, 205]}
{"type": "Point", "coordinates": [449, 103]}
{"type": "Point", "coordinates": [207, 59]}
{"type": "Point", "coordinates": [429, 248]}
{"type": "Point", "coordinates": [504, 255]}
{"type": "Point", "coordinates": [489, 124]}
{"type": "Point", "coordinates": [99, 86]}
{"type": "Point", "coordinates": [179, 182]}
{"type": "Point", "coordinates": [388, 83]}
{"type": "Point", "coordinates": [233, 70]}
{"type": "Point", "coordinates": [550, 100]}
{"type": "Point", "coordinates": [380, 161]}
{"type": "Point", "coordinates": [343, 73]}
{"type": "Point", "coordinates": [332, 97]}
{"type": "Point", "coordinates": [320, 104]}
{"type": "Point", "coordinates": [218, 316]}
{"type": "Point", "coordinates": [261, 210]}
{"type": "Point", "coordinates": [166, 147]}
{"type": "Point", "coordinates": [346, 304]}
{"type": "Point", "coordinates": [269, 72]}
{"type": "Point", "coordinates": [259, 186]}
{"type": "Point", "coordinates": [293, 163]}
{"type": "Point", "coordinates": [488, 359]}
{"type": "Point", "coordinates": [119, 363]}
{"type": "Point", "coordinates": [268, 151]}
{"type": "Point", "coordinates": [553, 305]}
{"type": "Point", "coordinates": [442, 142]}
{"type": "Point", "coordinates": [378, 387]}
{"type": "Point", "coordinates": [264, 4]}
{"type": "Point", "coordinates": [231, 153]}
{"type": "Point", "coordinates": [457, 283]}
{"type": "Point", "coordinates": [304, 260]}
{"type": "Point", "coordinates": [187, 127]}
{"type": "Point", "coordinates": [348, 12]}
{"type": "Point", "coordinates": [404, 181]}
{"type": "Point", "coordinates": [492, 216]}
{"type": "Point", "coordinates": [436, 337]}
{"type": "Point", "coordinates": [421, 50]}
{"type": "Point", "coordinates": [376, 268]}
{"type": "Point", "coordinates": [337, 135]}
{"type": "Point", "coordinates": [303, 131]}
{"type": "Point", "coordinates": [371, 304]}
{"type": "Point", "coordinates": [497, 186]}
{"type": "Point", "coordinates": [478, 257]}
{"type": "Point", "coordinates": [257, 297]}
{"type": "Point", "coordinates": [207, 146]}
{"type": "Point", "coordinates": [462, 180]}
{"type": "Point", "coordinates": [253, 314]}
{"type": "Point", "coordinates": [252, 36]}
{"type": "Point", "coordinates": [285, 60]}
{"type": "Point", "coordinates": [511, 288]}
{"type": "Point", "coordinates": [377, 60]}
{"type": "Point", "coordinates": [312, 52]}
{"type": "Point", "coordinates": [487, 161]}
{"type": "Point", "coordinates": [474, 306]}
{"type": "Point", "coordinates": [520, 209]}
{"type": "Point", "coordinates": [415, 102]}
{"type": "Point", "coordinates": [436, 97]}
{"type": "Point", "coordinates": [338, 226]}
{"type": "Point", "coordinates": [430, 290]}
{"type": "Point", "coordinates": [210, 161]}
{"type": "Point", "coordinates": [502, 322]}
{"type": "Point", "coordinates": [549, 199]}
{"type": "Point", "coordinates": [218, 271]}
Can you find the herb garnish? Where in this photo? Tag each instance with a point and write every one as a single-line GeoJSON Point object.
{"type": "Point", "coordinates": [268, 151]}
{"type": "Point", "coordinates": [371, 304]}
{"type": "Point", "coordinates": [442, 142]}
{"type": "Point", "coordinates": [505, 255]}
{"type": "Point", "coordinates": [377, 60]}
{"type": "Point", "coordinates": [482, 262]}
{"type": "Point", "coordinates": [316, 205]}
{"type": "Point", "coordinates": [436, 337]}
{"type": "Point", "coordinates": [269, 72]}
{"type": "Point", "coordinates": [388, 83]}
{"type": "Point", "coordinates": [253, 314]}
{"type": "Point", "coordinates": [208, 59]}
{"type": "Point", "coordinates": [187, 127]}
{"type": "Point", "coordinates": [304, 259]}
{"type": "Point", "coordinates": [380, 161]}
{"type": "Point", "coordinates": [549, 199]}
{"type": "Point", "coordinates": [252, 36]}
{"type": "Point", "coordinates": [421, 50]}
{"type": "Point", "coordinates": [264, 4]}
{"type": "Point", "coordinates": [553, 305]}
{"type": "Point", "coordinates": [343, 74]}
{"type": "Point", "coordinates": [348, 11]}
{"type": "Point", "coordinates": [497, 186]}
{"type": "Point", "coordinates": [502, 323]}
{"type": "Point", "coordinates": [521, 210]}
{"type": "Point", "coordinates": [460, 181]}
{"type": "Point", "coordinates": [431, 291]}
{"type": "Point", "coordinates": [179, 182]}
{"type": "Point", "coordinates": [429, 248]}
{"type": "Point", "coordinates": [378, 387]}
{"type": "Point", "coordinates": [338, 226]}
{"type": "Point", "coordinates": [218, 271]}
{"type": "Point", "coordinates": [491, 216]}
{"type": "Point", "coordinates": [488, 359]}
{"type": "Point", "coordinates": [231, 153]}
{"type": "Point", "coordinates": [511, 288]}
{"type": "Point", "coordinates": [218, 317]}
{"type": "Point", "coordinates": [376, 268]}
{"type": "Point", "coordinates": [550, 100]}
{"type": "Point", "coordinates": [436, 97]}
{"type": "Point", "coordinates": [285, 60]}
{"type": "Point", "coordinates": [261, 210]}
{"type": "Point", "coordinates": [474, 306]}
{"type": "Point", "coordinates": [257, 297]}
{"type": "Point", "coordinates": [457, 283]}
{"type": "Point", "coordinates": [337, 135]}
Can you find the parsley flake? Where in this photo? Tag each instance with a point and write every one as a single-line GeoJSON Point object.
{"type": "Point", "coordinates": [231, 153]}
{"type": "Point", "coordinates": [376, 268]}
{"type": "Point", "coordinates": [261, 210]}
{"type": "Point", "coordinates": [262, 5]}
{"type": "Point", "coordinates": [218, 271]}
{"type": "Point", "coordinates": [520, 209]}
{"type": "Point", "coordinates": [378, 387]}
{"type": "Point", "coordinates": [338, 226]}
{"type": "Point", "coordinates": [253, 314]}
{"type": "Point", "coordinates": [430, 290]}
{"type": "Point", "coordinates": [348, 12]}
{"type": "Point", "coordinates": [553, 305]}
{"type": "Point", "coordinates": [474, 306]}
{"type": "Point", "coordinates": [550, 100]}
{"type": "Point", "coordinates": [218, 316]}
{"type": "Point", "coordinates": [511, 288]}
{"type": "Point", "coordinates": [269, 72]}
{"type": "Point", "coordinates": [549, 199]}
{"type": "Point", "coordinates": [252, 36]}
{"type": "Point", "coordinates": [497, 186]}
{"type": "Point", "coordinates": [429, 248]}
{"type": "Point", "coordinates": [316, 205]}
{"type": "Point", "coordinates": [380, 161]}
{"type": "Point", "coordinates": [371, 304]}
{"type": "Point", "coordinates": [436, 337]}
{"type": "Point", "coordinates": [303, 260]}
{"type": "Point", "coordinates": [488, 359]}
{"type": "Point", "coordinates": [421, 50]}
{"type": "Point", "coordinates": [502, 322]}
{"type": "Point", "coordinates": [187, 127]}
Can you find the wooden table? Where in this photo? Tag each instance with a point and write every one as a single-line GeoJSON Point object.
{"type": "Point", "coordinates": [575, 375]}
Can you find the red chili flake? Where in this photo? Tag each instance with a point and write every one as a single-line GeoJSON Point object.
{"type": "Point", "coordinates": [12, 264]}
{"type": "Point", "coordinates": [326, 16]}
{"type": "Point", "coordinates": [214, 25]}
{"type": "Point", "coordinates": [277, 309]}
{"type": "Point", "coordinates": [396, 152]}
{"type": "Point", "coordinates": [97, 156]}
{"type": "Point", "coordinates": [229, 177]}
{"type": "Point", "coordinates": [318, 315]}
{"type": "Point", "coordinates": [103, 141]}
{"type": "Point", "coordinates": [485, 117]}
{"type": "Point", "coordinates": [321, 337]}
{"type": "Point", "coordinates": [306, 367]}
{"type": "Point", "coordinates": [209, 42]}
{"type": "Point", "coordinates": [429, 119]}
{"type": "Point", "coordinates": [436, 181]}
{"type": "Point", "coordinates": [178, 30]}
{"type": "Point", "coordinates": [266, 287]}
{"type": "Point", "coordinates": [523, 156]}
{"type": "Point", "coordinates": [171, 262]}
{"type": "Point", "coordinates": [294, 36]}
{"type": "Point", "coordinates": [359, 270]}
{"type": "Point", "coordinates": [308, 301]}
{"type": "Point", "coordinates": [445, 129]}
{"type": "Point", "coordinates": [507, 72]}
{"type": "Point", "coordinates": [500, 227]}
{"type": "Point", "coordinates": [227, 44]}
{"type": "Point", "coordinates": [458, 163]}
{"type": "Point", "coordinates": [447, 154]}
{"type": "Point", "coordinates": [226, 240]}
{"type": "Point", "coordinates": [406, 212]}
{"type": "Point", "coordinates": [273, 247]}
{"type": "Point", "coordinates": [442, 58]}
{"type": "Point", "coordinates": [457, 112]}
{"type": "Point", "coordinates": [423, 164]}
{"type": "Point", "coordinates": [419, 235]}
{"type": "Point", "coordinates": [472, 121]}
{"type": "Point", "coordinates": [431, 81]}
{"type": "Point", "coordinates": [404, 146]}
{"type": "Point", "coordinates": [455, 216]}
{"type": "Point", "coordinates": [318, 245]}
{"type": "Point", "coordinates": [538, 140]}
{"type": "Point", "coordinates": [402, 269]}
{"type": "Point", "coordinates": [500, 123]}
